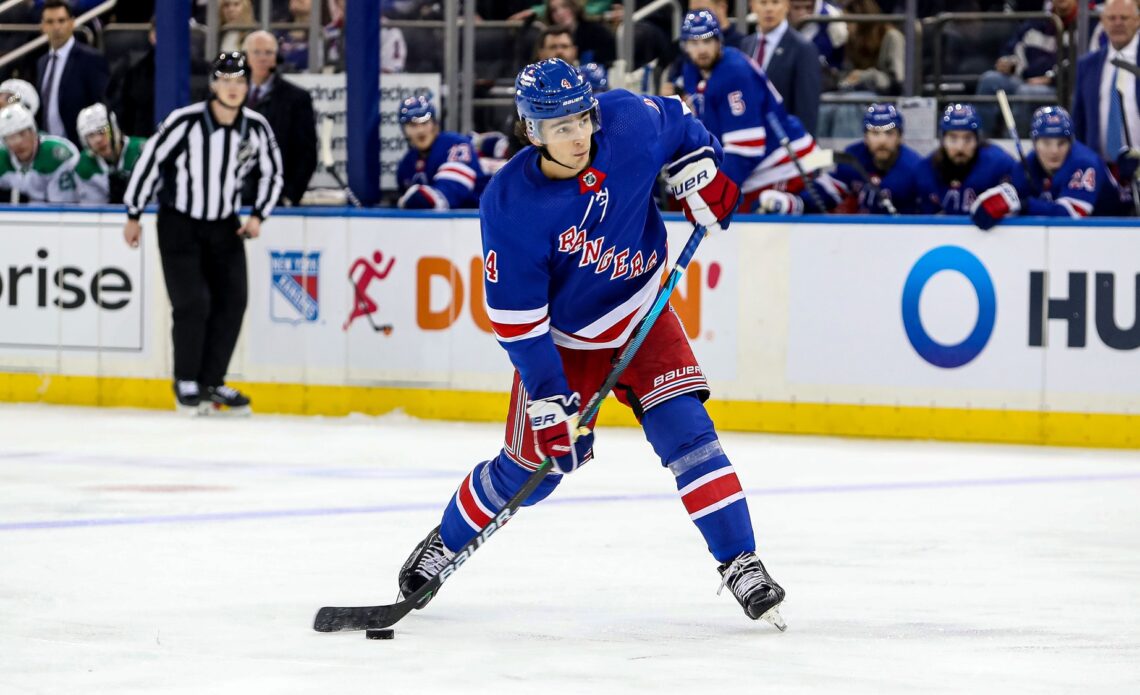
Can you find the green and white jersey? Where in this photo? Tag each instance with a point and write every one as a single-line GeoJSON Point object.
{"type": "Point", "coordinates": [99, 182]}
{"type": "Point", "coordinates": [49, 177]}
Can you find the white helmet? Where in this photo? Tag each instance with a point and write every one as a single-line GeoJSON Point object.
{"type": "Point", "coordinates": [15, 118]}
{"type": "Point", "coordinates": [24, 91]}
{"type": "Point", "coordinates": [96, 118]}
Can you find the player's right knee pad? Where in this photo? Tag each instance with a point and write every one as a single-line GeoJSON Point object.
{"type": "Point", "coordinates": [483, 493]}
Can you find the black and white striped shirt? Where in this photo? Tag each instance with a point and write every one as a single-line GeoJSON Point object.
{"type": "Point", "coordinates": [202, 165]}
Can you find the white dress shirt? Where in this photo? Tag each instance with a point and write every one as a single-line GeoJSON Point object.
{"type": "Point", "coordinates": [771, 40]}
{"type": "Point", "coordinates": [1130, 113]}
{"type": "Point", "coordinates": [53, 120]}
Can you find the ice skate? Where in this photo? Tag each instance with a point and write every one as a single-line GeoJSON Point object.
{"type": "Point", "coordinates": [423, 564]}
{"type": "Point", "coordinates": [188, 398]}
{"type": "Point", "coordinates": [224, 400]}
{"type": "Point", "coordinates": [759, 595]}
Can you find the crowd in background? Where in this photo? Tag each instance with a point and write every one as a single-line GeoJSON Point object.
{"type": "Point", "coordinates": [805, 62]}
{"type": "Point", "coordinates": [838, 80]}
{"type": "Point", "coordinates": [73, 112]}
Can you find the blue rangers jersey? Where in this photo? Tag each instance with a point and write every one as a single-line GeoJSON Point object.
{"type": "Point", "coordinates": [733, 103]}
{"type": "Point", "coordinates": [451, 167]}
{"type": "Point", "coordinates": [900, 184]}
{"type": "Point", "coordinates": [1080, 188]}
{"type": "Point", "coordinates": [577, 262]}
{"type": "Point", "coordinates": [936, 195]}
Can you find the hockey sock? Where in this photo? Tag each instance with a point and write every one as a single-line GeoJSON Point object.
{"type": "Point", "coordinates": [482, 494]}
{"type": "Point", "coordinates": [683, 436]}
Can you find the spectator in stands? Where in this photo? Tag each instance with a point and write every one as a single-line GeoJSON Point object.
{"type": "Point", "coordinates": [38, 166]}
{"type": "Point", "coordinates": [105, 165]}
{"type": "Point", "coordinates": [440, 170]}
{"type": "Point", "coordinates": [790, 61]}
{"type": "Point", "coordinates": [72, 75]}
{"type": "Point", "coordinates": [131, 92]}
{"type": "Point", "coordinates": [21, 91]}
{"type": "Point", "coordinates": [556, 42]}
{"type": "Point", "coordinates": [594, 41]}
{"type": "Point", "coordinates": [295, 42]}
{"type": "Point", "coordinates": [873, 65]}
{"type": "Point", "coordinates": [963, 166]}
{"type": "Point", "coordinates": [1099, 117]}
{"type": "Point", "coordinates": [234, 12]}
{"type": "Point", "coordinates": [829, 38]}
{"type": "Point", "coordinates": [1027, 66]}
{"type": "Point", "coordinates": [393, 50]}
{"type": "Point", "coordinates": [289, 110]}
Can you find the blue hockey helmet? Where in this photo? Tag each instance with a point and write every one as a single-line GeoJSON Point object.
{"type": "Point", "coordinates": [700, 24]}
{"type": "Point", "coordinates": [1051, 122]}
{"type": "Point", "coordinates": [597, 76]}
{"type": "Point", "coordinates": [553, 89]}
{"type": "Point", "coordinates": [416, 110]}
{"type": "Point", "coordinates": [961, 117]}
{"type": "Point", "coordinates": [882, 117]}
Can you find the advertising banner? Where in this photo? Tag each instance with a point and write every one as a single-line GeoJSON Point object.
{"type": "Point", "coordinates": [73, 286]}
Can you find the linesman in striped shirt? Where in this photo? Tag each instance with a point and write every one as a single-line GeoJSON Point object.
{"type": "Point", "coordinates": [201, 154]}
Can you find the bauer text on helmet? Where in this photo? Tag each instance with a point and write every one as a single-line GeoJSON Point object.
{"type": "Point", "coordinates": [555, 102]}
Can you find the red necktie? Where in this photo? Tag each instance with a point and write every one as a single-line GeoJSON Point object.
{"type": "Point", "coordinates": [760, 50]}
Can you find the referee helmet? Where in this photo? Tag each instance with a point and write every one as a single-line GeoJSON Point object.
{"type": "Point", "coordinates": [230, 64]}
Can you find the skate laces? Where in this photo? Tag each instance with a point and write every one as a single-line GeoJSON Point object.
{"type": "Point", "coordinates": [226, 391]}
{"type": "Point", "coordinates": [187, 388]}
{"type": "Point", "coordinates": [435, 556]}
{"type": "Point", "coordinates": [740, 581]}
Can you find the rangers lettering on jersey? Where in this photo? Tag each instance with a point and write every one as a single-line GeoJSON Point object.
{"type": "Point", "coordinates": [580, 264]}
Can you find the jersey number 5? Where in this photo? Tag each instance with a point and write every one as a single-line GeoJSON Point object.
{"type": "Point", "coordinates": [491, 266]}
{"type": "Point", "coordinates": [736, 103]}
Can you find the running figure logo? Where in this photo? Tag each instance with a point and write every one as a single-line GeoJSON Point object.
{"type": "Point", "coordinates": [362, 305]}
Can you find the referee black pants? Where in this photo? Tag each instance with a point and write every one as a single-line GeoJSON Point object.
{"type": "Point", "coordinates": [204, 265]}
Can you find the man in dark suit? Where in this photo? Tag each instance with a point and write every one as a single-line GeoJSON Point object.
{"type": "Point", "coordinates": [289, 110]}
{"type": "Point", "coordinates": [1098, 116]}
{"type": "Point", "coordinates": [72, 76]}
{"type": "Point", "coordinates": [790, 61]}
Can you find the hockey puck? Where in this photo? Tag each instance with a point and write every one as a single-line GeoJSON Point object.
{"type": "Point", "coordinates": [385, 633]}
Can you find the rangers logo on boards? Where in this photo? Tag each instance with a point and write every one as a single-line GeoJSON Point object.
{"type": "Point", "coordinates": [295, 276]}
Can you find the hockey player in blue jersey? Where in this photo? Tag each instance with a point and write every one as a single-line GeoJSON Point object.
{"type": "Point", "coordinates": [1065, 178]}
{"type": "Point", "coordinates": [891, 166]}
{"type": "Point", "coordinates": [574, 253]}
{"type": "Point", "coordinates": [441, 170]}
{"type": "Point", "coordinates": [963, 166]}
{"type": "Point", "coordinates": [733, 98]}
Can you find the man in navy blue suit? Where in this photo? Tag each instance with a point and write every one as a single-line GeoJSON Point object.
{"type": "Point", "coordinates": [1099, 117]}
{"type": "Point", "coordinates": [72, 76]}
{"type": "Point", "coordinates": [790, 61]}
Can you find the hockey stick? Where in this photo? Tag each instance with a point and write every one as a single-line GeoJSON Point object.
{"type": "Point", "coordinates": [872, 187]}
{"type": "Point", "coordinates": [1135, 72]}
{"type": "Point", "coordinates": [334, 619]}
{"type": "Point", "coordinates": [327, 161]}
{"type": "Point", "coordinates": [782, 135]}
{"type": "Point", "coordinates": [1011, 128]}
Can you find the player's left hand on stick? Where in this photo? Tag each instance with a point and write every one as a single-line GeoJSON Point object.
{"type": "Point", "coordinates": [554, 421]}
{"type": "Point", "coordinates": [707, 195]}
{"type": "Point", "coordinates": [994, 205]}
{"type": "Point", "coordinates": [1127, 161]}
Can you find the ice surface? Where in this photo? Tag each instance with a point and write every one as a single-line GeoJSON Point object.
{"type": "Point", "coordinates": [143, 552]}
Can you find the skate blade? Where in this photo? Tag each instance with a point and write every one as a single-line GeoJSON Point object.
{"type": "Point", "coordinates": [218, 410]}
{"type": "Point", "coordinates": [773, 616]}
{"type": "Point", "coordinates": [188, 410]}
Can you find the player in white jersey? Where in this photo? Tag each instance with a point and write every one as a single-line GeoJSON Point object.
{"type": "Point", "coordinates": [40, 167]}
